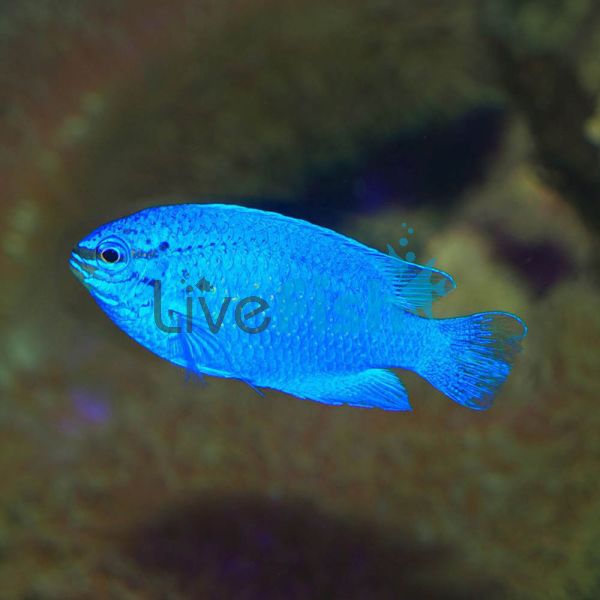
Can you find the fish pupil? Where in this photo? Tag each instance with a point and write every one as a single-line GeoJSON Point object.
{"type": "Point", "coordinates": [110, 255]}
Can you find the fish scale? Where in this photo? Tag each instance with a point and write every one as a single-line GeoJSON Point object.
{"type": "Point", "coordinates": [334, 314]}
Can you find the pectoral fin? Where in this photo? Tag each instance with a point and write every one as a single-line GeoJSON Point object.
{"type": "Point", "coordinates": [194, 346]}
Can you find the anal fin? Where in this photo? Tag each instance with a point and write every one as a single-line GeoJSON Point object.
{"type": "Point", "coordinates": [373, 388]}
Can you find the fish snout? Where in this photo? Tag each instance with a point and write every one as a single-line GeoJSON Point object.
{"type": "Point", "coordinates": [79, 267]}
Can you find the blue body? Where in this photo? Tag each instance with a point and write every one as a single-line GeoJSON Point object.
{"type": "Point", "coordinates": [331, 314]}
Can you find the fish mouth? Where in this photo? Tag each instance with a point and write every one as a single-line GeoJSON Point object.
{"type": "Point", "coordinates": [80, 269]}
{"type": "Point", "coordinates": [85, 274]}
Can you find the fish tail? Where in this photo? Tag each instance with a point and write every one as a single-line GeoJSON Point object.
{"type": "Point", "coordinates": [473, 356]}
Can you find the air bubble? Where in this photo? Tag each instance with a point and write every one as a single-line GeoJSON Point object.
{"type": "Point", "coordinates": [403, 241]}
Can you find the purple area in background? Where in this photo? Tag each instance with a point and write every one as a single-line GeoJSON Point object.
{"type": "Point", "coordinates": [90, 406]}
{"type": "Point", "coordinates": [88, 409]}
{"type": "Point", "coordinates": [542, 264]}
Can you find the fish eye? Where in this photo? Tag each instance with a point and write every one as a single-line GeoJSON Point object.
{"type": "Point", "coordinates": [112, 254]}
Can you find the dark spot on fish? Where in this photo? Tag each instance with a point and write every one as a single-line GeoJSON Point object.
{"type": "Point", "coordinates": [163, 246]}
{"type": "Point", "coordinates": [149, 281]}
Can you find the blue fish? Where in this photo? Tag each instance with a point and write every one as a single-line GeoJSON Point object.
{"type": "Point", "coordinates": [280, 303]}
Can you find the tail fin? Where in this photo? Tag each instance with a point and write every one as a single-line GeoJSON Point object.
{"type": "Point", "coordinates": [475, 356]}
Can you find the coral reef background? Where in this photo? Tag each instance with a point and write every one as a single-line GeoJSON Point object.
{"type": "Point", "coordinates": [477, 122]}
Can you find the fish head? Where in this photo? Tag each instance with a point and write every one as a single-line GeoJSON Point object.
{"type": "Point", "coordinates": [115, 260]}
{"type": "Point", "coordinates": [103, 264]}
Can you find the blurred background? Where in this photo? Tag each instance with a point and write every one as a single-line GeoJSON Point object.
{"type": "Point", "coordinates": [476, 122]}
